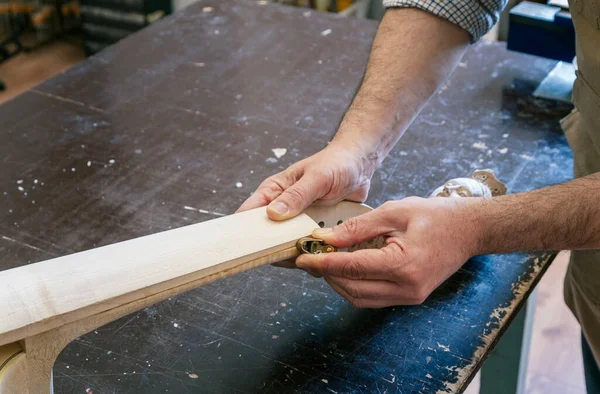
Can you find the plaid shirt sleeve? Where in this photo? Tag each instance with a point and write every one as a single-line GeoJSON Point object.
{"type": "Point", "coordinates": [475, 16]}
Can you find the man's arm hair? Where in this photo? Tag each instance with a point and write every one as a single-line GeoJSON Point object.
{"type": "Point", "coordinates": [559, 217]}
{"type": "Point", "coordinates": [413, 53]}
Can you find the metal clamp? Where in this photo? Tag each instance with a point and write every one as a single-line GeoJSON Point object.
{"type": "Point", "coordinates": [314, 246]}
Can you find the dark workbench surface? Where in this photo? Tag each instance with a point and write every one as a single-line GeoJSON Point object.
{"type": "Point", "coordinates": [172, 118]}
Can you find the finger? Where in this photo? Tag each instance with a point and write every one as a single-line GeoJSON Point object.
{"type": "Point", "coordinates": [359, 195]}
{"type": "Point", "coordinates": [373, 264]}
{"type": "Point", "coordinates": [268, 190]}
{"type": "Point", "coordinates": [256, 200]}
{"type": "Point", "coordinates": [355, 230]}
{"type": "Point", "coordinates": [366, 289]}
{"type": "Point", "coordinates": [361, 303]}
{"type": "Point", "coordinates": [297, 197]}
{"type": "Point", "coordinates": [291, 264]}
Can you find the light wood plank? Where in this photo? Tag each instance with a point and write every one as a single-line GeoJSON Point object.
{"type": "Point", "coordinates": [42, 296]}
{"type": "Point", "coordinates": [248, 240]}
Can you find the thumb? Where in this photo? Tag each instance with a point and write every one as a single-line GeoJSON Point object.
{"type": "Point", "coordinates": [296, 198]}
{"type": "Point", "coordinates": [355, 230]}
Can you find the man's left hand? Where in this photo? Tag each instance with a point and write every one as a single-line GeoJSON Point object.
{"type": "Point", "coordinates": [427, 240]}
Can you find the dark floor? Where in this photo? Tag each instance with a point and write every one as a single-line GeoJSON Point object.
{"type": "Point", "coordinates": [26, 70]}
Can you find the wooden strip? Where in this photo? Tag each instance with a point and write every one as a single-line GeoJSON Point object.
{"type": "Point", "coordinates": [42, 296]}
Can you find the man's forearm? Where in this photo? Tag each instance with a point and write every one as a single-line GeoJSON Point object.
{"type": "Point", "coordinates": [412, 54]}
{"type": "Point", "coordinates": [560, 217]}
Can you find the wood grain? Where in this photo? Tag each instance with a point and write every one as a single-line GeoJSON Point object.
{"type": "Point", "coordinates": [45, 317]}
{"type": "Point", "coordinates": [52, 293]}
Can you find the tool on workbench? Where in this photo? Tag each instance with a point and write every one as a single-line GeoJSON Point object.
{"type": "Point", "coordinates": [314, 246]}
{"type": "Point", "coordinates": [483, 183]}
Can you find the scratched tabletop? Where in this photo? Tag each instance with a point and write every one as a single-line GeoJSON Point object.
{"type": "Point", "coordinates": [177, 124]}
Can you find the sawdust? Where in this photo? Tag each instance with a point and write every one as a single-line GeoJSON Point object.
{"type": "Point", "coordinates": [279, 152]}
{"type": "Point", "coordinates": [480, 145]}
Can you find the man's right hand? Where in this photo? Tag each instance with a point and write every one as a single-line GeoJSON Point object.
{"type": "Point", "coordinates": [336, 173]}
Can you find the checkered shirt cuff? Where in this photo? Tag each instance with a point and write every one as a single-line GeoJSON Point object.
{"type": "Point", "coordinates": [475, 16]}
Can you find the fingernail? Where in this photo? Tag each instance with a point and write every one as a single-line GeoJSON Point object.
{"type": "Point", "coordinates": [322, 232]}
{"type": "Point", "coordinates": [280, 208]}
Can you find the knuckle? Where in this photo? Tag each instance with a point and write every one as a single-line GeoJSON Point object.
{"type": "Point", "coordinates": [350, 226]}
{"type": "Point", "coordinates": [394, 257]}
{"type": "Point", "coordinates": [388, 206]}
{"type": "Point", "coordinates": [423, 224]}
{"type": "Point", "coordinates": [325, 187]}
{"type": "Point", "coordinates": [272, 183]}
{"type": "Point", "coordinates": [354, 270]}
{"type": "Point", "coordinates": [390, 210]}
{"type": "Point", "coordinates": [295, 194]}
{"type": "Point", "coordinates": [413, 202]}
{"type": "Point", "coordinates": [321, 178]}
{"type": "Point", "coordinates": [353, 291]}
{"type": "Point", "coordinates": [278, 178]}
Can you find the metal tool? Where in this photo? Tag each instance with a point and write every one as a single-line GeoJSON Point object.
{"type": "Point", "coordinates": [314, 246]}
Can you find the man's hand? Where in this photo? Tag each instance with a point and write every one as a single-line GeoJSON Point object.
{"type": "Point", "coordinates": [430, 239]}
{"type": "Point", "coordinates": [333, 174]}
{"type": "Point", "coordinates": [427, 241]}
{"type": "Point", "coordinates": [412, 54]}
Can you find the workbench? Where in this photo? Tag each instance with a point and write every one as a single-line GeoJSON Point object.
{"type": "Point", "coordinates": [176, 125]}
